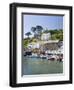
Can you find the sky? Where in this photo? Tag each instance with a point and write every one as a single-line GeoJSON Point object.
{"type": "Point", "coordinates": [47, 22]}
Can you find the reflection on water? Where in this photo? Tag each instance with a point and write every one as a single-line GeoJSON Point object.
{"type": "Point", "coordinates": [32, 66]}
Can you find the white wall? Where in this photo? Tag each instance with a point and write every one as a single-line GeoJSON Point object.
{"type": "Point", "coordinates": [4, 44]}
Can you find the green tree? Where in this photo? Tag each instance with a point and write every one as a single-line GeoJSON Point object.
{"type": "Point", "coordinates": [28, 34]}
{"type": "Point", "coordinates": [33, 29]}
{"type": "Point", "coordinates": [39, 31]}
{"type": "Point", "coordinates": [55, 34]}
{"type": "Point", "coordinates": [25, 43]}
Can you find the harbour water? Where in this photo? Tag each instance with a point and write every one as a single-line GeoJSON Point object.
{"type": "Point", "coordinates": [36, 66]}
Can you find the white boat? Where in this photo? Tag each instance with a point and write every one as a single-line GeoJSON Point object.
{"type": "Point", "coordinates": [34, 55]}
{"type": "Point", "coordinates": [43, 56]}
{"type": "Point", "coordinates": [51, 57]}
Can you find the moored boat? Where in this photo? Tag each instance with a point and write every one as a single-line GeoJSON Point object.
{"type": "Point", "coordinates": [43, 56]}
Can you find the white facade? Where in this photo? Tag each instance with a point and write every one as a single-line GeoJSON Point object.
{"type": "Point", "coordinates": [46, 36]}
{"type": "Point", "coordinates": [33, 46]}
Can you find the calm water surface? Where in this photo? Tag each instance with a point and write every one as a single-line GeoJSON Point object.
{"type": "Point", "coordinates": [32, 66]}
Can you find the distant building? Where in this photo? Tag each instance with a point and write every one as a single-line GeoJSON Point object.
{"type": "Point", "coordinates": [33, 45]}
{"type": "Point", "coordinates": [46, 36]}
{"type": "Point", "coordinates": [50, 45]}
{"type": "Point", "coordinates": [44, 45]}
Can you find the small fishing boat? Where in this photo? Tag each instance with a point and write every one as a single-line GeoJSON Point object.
{"type": "Point", "coordinates": [43, 56]}
{"type": "Point", "coordinates": [60, 57]}
{"type": "Point", "coordinates": [34, 55]}
{"type": "Point", "coordinates": [51, 57]}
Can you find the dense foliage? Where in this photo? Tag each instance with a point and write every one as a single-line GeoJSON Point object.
{"type": "Point", "coordinates": [55, 34]}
